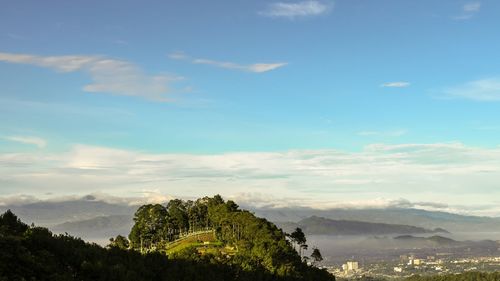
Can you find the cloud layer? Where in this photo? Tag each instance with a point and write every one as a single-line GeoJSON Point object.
{"type": "Point", "coordinates": [110, 76]}
{"type": "Point", "coordinates": [36, 141]}
{"type": "Point", "coordinates": [295, 10]}
{"type": "Point", "coordinates": [256, 67]}
{"type": "Point", "coordinates": [450, 173]}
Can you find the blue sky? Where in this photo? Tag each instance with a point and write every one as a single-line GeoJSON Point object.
{"type": "Point", "coordinates": [229, 78]}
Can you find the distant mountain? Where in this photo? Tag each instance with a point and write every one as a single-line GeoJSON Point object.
{"type": "Point", "coordinates": [440, 242]}
{"type": "Point", "coordinates": [102, 227]}
{"type": "Point", "coordinates": [417, 217]}
{"type": "Point", "coordinates": [322, 226]}
{"type": "Point", "coordinates": [77, 211]}
{"type": "Point", "coordinates": [50, 213]}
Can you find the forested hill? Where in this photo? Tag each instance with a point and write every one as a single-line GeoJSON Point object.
{"type": "Point", "coordinates": [241, 239]}
{"type": "Point", "coordinates": [245, 248]}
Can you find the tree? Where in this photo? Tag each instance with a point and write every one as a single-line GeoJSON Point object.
{"type": "Point", "coordinates": [150, 226]}
{"type": "Point", "coordinates": [298, 237]}
{"type": "Point", "coordinates": [177, 211]}
{"type": "Point", "coordinates": [10, 224]}
{"type": "Point", "coordinates": [197, 214]}
{"type": "Point", "coordinates": [316, 255]}
{"type": "Point", "coordinates": [303, 247]}
{"type": "Point", "coordinates": [231, 206]}
{"type": "Point", "coordinates": [119, 242]}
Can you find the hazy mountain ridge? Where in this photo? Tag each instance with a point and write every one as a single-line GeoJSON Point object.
{"type": "Point", "coordinates": [437, 241]}
{"type": "Point", "coordinates": [418, 217]}
{"type": "Point", "coordinates": [50, 213]}
{"type": "Point", "coordinates": [90, 217]}
{"type": "Point", "coordinates": [102, 227]}
{"type": "Point", "coordinates": [315, 225]}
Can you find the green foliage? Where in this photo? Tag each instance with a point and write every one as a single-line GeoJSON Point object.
{"type": "Point", "coordinates": [150, 226]}
{"type": "Point", "coordinates": [10, 224]}
{"type": "Point", "coordinates": [316, 255]}
{"type": "Point", "coordinates": [119, 242]}
{"type": "Point", "coordinates": [298, 237]}
{"type": "Point", "coordinates": [34, 253]}
{"type": "Point", "coordinates": [178, 215]}
{"type": "Point", "coordinates": [255, 244]}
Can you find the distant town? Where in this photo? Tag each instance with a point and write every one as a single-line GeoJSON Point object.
{"type": "Point", "coordinates": [410, 264]}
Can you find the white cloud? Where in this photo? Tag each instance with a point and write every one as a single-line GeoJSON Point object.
{"type": "Point", "coordinates": [19, 199]}
{"type": "Point", "coordinates": [39, 142]}
{"type": "Point", "coordinates": [295, 9]}
{"type": "Point", "coordinates": [399, 84]}
{"type": "Point", "coordinates": [472, 7]}
{"type": "Point", "coordinates": [142, 197]}
{"type": "Point", "coordinates": [260, 200]}
{"type": "Point", "coordinates": [479, 90]}
{"type": "Point", "coordinates": [468, 11]}
{"type": "Point", "coordinates": [110, 76]}
{"type": "Point", "coordinates": [256, 67]}
{"type": "Point", "coordinates": [379, 174]}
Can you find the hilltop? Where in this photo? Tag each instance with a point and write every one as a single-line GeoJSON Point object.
{"type": "Point", "coordinates": [239, 237]}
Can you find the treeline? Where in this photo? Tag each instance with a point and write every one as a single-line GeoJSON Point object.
{"type": "Point", "coordinates": [260, 245]}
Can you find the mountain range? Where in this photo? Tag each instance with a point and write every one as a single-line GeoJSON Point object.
{"type": "Point", "coordinates": [437, 241]}
{"type": "Point", "coordinates": [322, 226]}
{"type": "Point", "coordinates": [96, 219]}
{"type": "Point", "coordinates": [416, 217]}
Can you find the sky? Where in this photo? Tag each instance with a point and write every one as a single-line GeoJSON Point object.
{"type": "Point", "coordinates": [321, 103]}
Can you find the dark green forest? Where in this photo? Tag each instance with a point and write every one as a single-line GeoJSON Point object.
{"type": "Point", "coordinates": [256, 243]}
{"type": "Point", "coordinates": [263, 251]}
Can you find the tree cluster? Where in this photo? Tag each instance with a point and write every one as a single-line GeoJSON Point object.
{"type": "Point", "coordinates": [259, 244]}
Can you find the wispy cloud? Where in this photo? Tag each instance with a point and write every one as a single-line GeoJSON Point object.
{"type": "Point", "coordinates": [397, 84]}
{"type": "Point", "coordinates": [318, 177]}
{"type": "Point", "coordinates": [468, 11]}
{"type": "Point", "coordinates": [396, 133]}
{"type": "Point", "coordinates": [39, 142]}
{"type": "Point", "coordinates": [108, 75]}
{"type": "Point", "coordinates": [472, 7]}
{"type": "Point", "coordinates": [480, 90]}
{"type": "Point", "coordinates": [295, 9]}
{"type": "Point", "coordinates": [256, 67]}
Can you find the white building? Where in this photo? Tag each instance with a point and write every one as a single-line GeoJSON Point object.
{"type": "Point", "coordinates": [350, 266]}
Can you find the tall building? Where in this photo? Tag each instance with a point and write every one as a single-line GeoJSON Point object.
{"type": "Point", "coordinates": [352, 266]}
